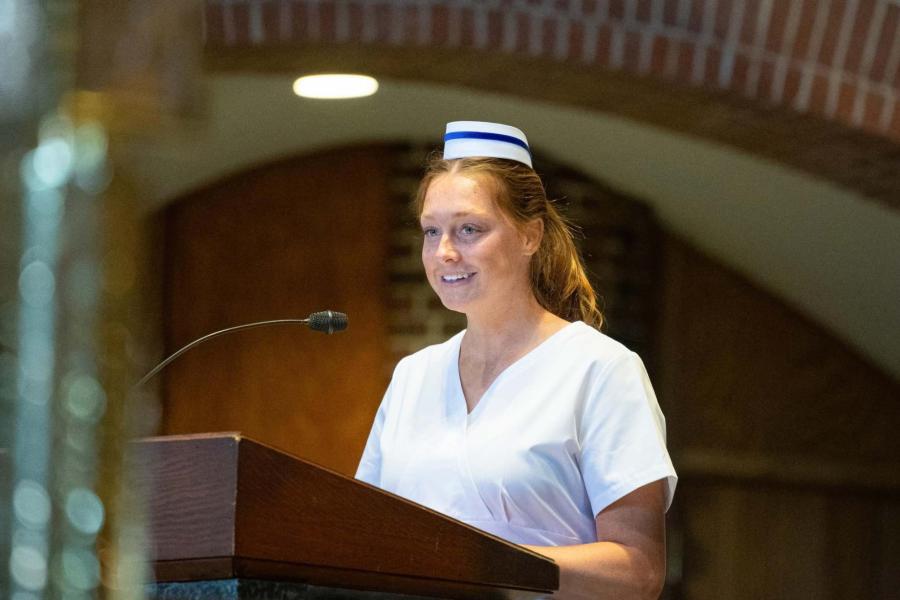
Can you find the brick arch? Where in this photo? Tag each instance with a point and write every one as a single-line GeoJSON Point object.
{"type": "Point", "coordinates": [780, 78]}
{"type": "Point", "coordinates": [838, 59]}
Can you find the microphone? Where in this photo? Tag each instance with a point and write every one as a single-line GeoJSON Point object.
{"type": "Point", "coordinates": [326, 321]}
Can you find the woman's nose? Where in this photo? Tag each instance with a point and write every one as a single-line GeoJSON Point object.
{"type": "Point", "coordinates": [446, 251]}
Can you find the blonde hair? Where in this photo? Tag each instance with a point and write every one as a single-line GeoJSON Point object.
{"type": "Point", "coordinates": [558, 278]}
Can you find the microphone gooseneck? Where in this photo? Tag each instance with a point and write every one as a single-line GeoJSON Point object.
{"type": "Point", "coordinates": [327, 321]}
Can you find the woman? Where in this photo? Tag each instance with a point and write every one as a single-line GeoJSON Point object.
{"type": "Point", "coordinates": [530, 424]}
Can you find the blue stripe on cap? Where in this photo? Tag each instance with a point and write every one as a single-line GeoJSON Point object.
{"type": "Point", "coordinates": [481, 135]}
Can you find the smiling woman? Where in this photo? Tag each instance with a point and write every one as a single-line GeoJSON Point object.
{"type": "Point", "coordinates": [512, 194]}
{"type": "Point", "coordinates": [530, 424]}
{"type": "Point", "coordinates": [475, 258]}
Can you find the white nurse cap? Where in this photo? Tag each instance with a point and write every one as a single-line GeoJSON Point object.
{"type": "Point", "coordinates": [477, 138]}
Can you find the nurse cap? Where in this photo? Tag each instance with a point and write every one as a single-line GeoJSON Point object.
{"type": "Point", "coordinates": [465, 139]}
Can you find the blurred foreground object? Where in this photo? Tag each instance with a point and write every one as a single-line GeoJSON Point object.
{"type": "Point", "coordinates": [68, 283]}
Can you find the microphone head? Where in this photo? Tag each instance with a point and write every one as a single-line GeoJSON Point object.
{"type": "Point", "coordinates": [328, 321]}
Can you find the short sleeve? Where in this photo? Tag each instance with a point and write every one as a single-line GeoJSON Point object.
{"type": "Point", "coordinates": [622, 435]}
{"type": "Point", "coordinates": [369, 469]}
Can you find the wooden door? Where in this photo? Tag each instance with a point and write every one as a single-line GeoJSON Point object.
{"type": "Point", "coordinates": [281, 241]}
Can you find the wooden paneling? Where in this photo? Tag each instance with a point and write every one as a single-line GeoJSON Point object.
{"type": "Point", "coordinates": [744, 373]}
{"type": "Point", "coordinates": [281, 241]}
{"type": "Point", "coordinates": [747, 542]}
{"type": "Point", "coordinates": [785, 441]}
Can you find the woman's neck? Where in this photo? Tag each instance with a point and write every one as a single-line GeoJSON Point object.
{"type": "Point", "coordinates": [513, 330]}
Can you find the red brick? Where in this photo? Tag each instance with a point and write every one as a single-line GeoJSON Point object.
{"type": "Point", "coordinates": [670, 12]}
{"type": "Point", "coordinates": [893, 127]}
{"type": "Point", "coordinates": [494, 29]}
{"type": "Point", "coordinates": [327, 21]}
{"type": "Point", "coordinates": [873, 105]}
{"type": "Point", "coordinates": [439, 24]}
{"type": "Point", "coordinates": [467, 27]}
{"type": "Point", "coordinates": [777, 24]}
{"type": "Point", "coordinates": [644, 10]}
{"type": "Point", "coordinates": [739, 72]}
{"type": "Point", "coordinates": [403, 303]}
{"type": "Point", "coordinates": [846, 99]}
{"type": "Point", "coordinates": [685, 63]}
{"type": "Point", "coordinates": [240, 16]}
{"type": "Point", "coordinates": [549, 30]}
{"type": "Point", "coordinates": [862, 29]}
{"type": "Point", "coordinates": [576, 40]}
{"type": "Point", "coordinates": [411, 23]}
{"type": "Point", "coordinates": [355, 21]}
{"type": "Point", "coordinates": [589, 7]}
{"type": "Point", "coordinates": [889, 31]}
{"type": "Point", "coordinates": [383, 18]}
{"type": "Point", "coordinates": [616, 10]}
{"type": "Point", "coordinates": [748, 27]}
{"type": "Point", "coordinates": [818, 95]}
{"type": "Point", "coordinates": [215, 24]}
{"type": "Point", "coordinates": [893, 80]}
{"type": "Point", "coordinates": [695, 19]}
{"type": "Point", "coordinates": [523, 26]}
{"type": "Point", "coordinates": [270, 21]}
{"type": "Point", "coordinates": [722, 22]}
{"type": "Point", "coordinates": [673, 51]}
{"type": "Point", "coordinates": [299, 23]}
{"type": "Point", "coordinates": [604, 43]}
{"type": "Point", "coordinates": [763, 91]}
{"type": "Point", "coordinates": [658, 52]}
{"type": "Point", "coordinates": [804, 29]}
{"type": "Point", "coordinates": [832, 32]}
{"type": "Point", "coordinates": [632, 51]}
{"type": "Point", "coordinates": [791, 85]}
{"type": "Point", "coordinates": [711, 70]}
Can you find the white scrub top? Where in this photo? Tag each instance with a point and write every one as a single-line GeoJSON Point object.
{"type": "Point", "coordinates": [561, 434]}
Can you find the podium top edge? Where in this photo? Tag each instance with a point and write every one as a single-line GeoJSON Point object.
{"type": "Point", "coordinates": [236, 436]}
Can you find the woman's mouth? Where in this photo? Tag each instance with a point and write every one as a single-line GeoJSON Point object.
{"type": "Point", "coordinates": [457, 277]}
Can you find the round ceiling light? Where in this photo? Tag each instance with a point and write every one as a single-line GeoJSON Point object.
{"type": "Point", "coordinates": [335, 85]}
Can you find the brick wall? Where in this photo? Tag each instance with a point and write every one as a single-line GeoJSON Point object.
{"type": "Point", "coordinates": [416, 317]}
{"type": "Point", "coordinates": [839, 59]}
{"type": "Point", "coordinates": [619, 239]}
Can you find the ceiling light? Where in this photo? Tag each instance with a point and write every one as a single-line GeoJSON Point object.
{"type": "Point", "coordinates": [335, 86]}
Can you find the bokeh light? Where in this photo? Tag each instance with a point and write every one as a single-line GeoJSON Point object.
{"type": "Point", "coordinates": [84, 511]}
{"type": "Point", "coordinates": [31, 504]}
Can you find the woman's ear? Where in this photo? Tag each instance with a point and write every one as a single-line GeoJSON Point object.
{"type": "Point", "coordinates": [532, 234]}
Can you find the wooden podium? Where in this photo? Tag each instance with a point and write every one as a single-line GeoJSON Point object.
{"type": "Point", "coordinates": [224, 507]}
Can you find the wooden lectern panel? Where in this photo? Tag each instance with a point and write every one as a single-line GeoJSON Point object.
{"type": "Point", "coordinates": [192, 503]}
{"type": "Point", "coordinates": [226, 506]}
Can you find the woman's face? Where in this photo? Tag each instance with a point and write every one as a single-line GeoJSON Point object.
{"type": "Point", "coordinates": [476, 260]}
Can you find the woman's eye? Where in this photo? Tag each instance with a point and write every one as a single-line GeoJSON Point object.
{"type": "Point", "coordinates": [468, 229]}
{"type": "Point", "coordinates": [429, 231]}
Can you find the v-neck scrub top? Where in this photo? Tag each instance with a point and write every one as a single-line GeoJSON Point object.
{"type": "Point", "coordinates": [561, 434]}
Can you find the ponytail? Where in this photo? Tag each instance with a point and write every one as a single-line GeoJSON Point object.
{"type": "Point", "coordinates": [558, 277]}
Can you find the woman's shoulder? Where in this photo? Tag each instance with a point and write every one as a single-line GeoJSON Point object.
{"type": "Point", "coordinates": [442, 352]}
{"type": "Point", "coordinates": [590, 343]}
